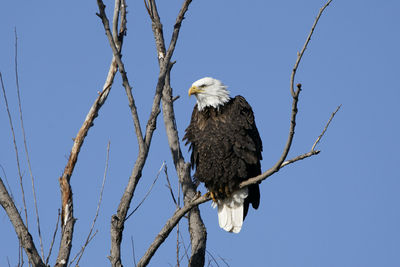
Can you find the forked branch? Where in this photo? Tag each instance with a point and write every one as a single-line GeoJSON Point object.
{"type": "Point", "coordinates": [295, 95]}
{"type": "Point", "coordinates": [197, 230]}
{"type": "Point", "coordinates": [67, 220]}
{"type": "Point", "coordinates": [118, 220]}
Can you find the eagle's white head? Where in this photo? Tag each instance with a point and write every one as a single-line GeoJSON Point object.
{"type": "Point", "coordinates": [209, 92]}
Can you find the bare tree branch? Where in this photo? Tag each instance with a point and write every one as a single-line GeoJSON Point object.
{"type": "Point", "coordinates": [295, 96]}
{"type": "Point", "coordinates": [66, 193]}
{"type": "Point", "coordinates": [184, 248]}
{"type": "Point", "coordinates": [24, 236]}
{"type": "Point", "coordinates": [278, 165]}
{"type": "Point", "coordinates": [170, 224]}
{"type": "Point", "coordinates": [117, 221]}
{"type": "Point", "coordinates": [326, 127]}
{"type": "Point", "coordinates": [312, 152]}
{"type": "Point", "coordinates": [196, 226]}
{"type": "Point", "coordinates": [300, 55]}
{"type": "Point", "coordinates": [170, 188]}
{"type": "Point", "coordinates": [148, 192]}
{"type": "Point", "coordinates": [90, 237]}
{"type": "Point", "coordinates": [224, 261]}
{"type": "Point", "coordinates": [54, 238]}
{"type": "Point", "coordinates": [116, 52]}
{"type": "Point", "coordinates": [133, 252]}
{"type": "Point", "coordinates": [212, 257]}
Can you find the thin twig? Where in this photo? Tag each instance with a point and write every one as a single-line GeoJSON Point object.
{"type": "Point", "coordinates": [26, 146]}
{"type": "Point", "coordinates": [300, 55]}
{"type": "Point", "coordinates": [285, 152]}
{"type": "Point", "coordinates": [223, 260]}
{"type": "Point", "coordinates": [295, 96]}
{"type": "Point", "coordinates": [133, 252]}
{"type": "Point", "coordinates": [169, 187]}
{"type": "Point", "coordinates": [80, 253]}
{"type": "Point", "coordinates": [212, 257]}
{"type": "Point", "coordinates": [326, 127]}
{"type": "Point", "coordinates": [184, 248]}
{"type": "Point", "coordinates": [98, 207]}
{"type": "Point", "coordinates": [177, 245]}
{"type": "Point", "coordinates": [147, 8]}
{"type": "Point", "coordinates": [300, 157]}
{"type": "Point", "coordinates": [54, 237]}
{"type": "Point", "coordinates": [312, 152]}
{"type": "Point", "coordinates": [148, 192]}
{"type": "Point", "coordinates": [16, 149]}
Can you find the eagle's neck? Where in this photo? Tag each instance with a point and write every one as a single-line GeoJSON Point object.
{"type": "Point", "coordinates": [214, 97]}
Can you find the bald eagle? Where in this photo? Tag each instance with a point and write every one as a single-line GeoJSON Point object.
{"type": "Point", "coordinates": [226, 150]}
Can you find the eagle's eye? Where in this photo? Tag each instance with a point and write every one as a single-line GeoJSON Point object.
{"type": "Point", "coordinates": [202, 86]}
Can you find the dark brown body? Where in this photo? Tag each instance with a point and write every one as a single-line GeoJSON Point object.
{"type": "Point", "coordinates": [226, 148]}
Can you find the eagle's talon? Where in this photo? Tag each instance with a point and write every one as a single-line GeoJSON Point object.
{"type": "Point", "coordinates": [212, 196]}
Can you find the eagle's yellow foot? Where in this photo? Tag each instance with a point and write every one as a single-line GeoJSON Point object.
{"type": "Point", "coordinates": [211, 194]}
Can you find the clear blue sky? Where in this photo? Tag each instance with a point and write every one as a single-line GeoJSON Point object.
{"type": "Point", "coordinates": [340, 208]}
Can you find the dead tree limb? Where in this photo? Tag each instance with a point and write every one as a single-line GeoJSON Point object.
{"type": "Point", "coordinates": [166, 230]}
{"type": "Point", "coordinates": [197, 230]}
{"type": "Point", "coordinates": [118, 220]}
{"type": "Point", "coordinates": [300, 54]}
{"type": "Point", "coordinates": [24, 236]}
{"type": "Point", "coordinates": [67, 220]}
{"type": "Point", "coordinates": [295, 95]}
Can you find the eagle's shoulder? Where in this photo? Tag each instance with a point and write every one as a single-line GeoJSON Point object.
{"type": "Point", "coordinates": [243, 110]}
{"type": "Point", "coordinates": [244, 121]}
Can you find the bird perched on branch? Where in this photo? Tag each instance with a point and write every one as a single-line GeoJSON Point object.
{"type": "Point", "coordinates": [226, 150]}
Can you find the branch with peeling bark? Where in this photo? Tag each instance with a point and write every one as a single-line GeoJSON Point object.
{"type": "Point", "coordinates": [67, 220]}
{"type": "Point", "coordinates": [22, 232]}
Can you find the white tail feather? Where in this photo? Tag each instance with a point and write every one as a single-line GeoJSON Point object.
{"type": "Point", "coordinates": [230, 211]}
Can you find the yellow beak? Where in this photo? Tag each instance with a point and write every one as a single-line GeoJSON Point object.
{"type": "Point", "coordinates": [194, 90]}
